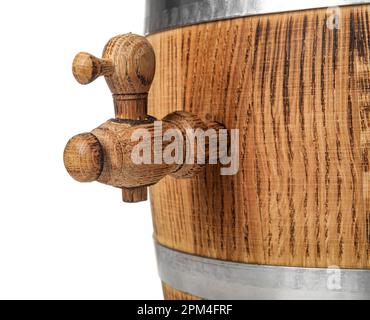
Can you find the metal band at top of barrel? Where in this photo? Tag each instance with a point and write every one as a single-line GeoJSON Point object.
{"type": "Point", "coordinates": [224, 280]}
{"type": "Point", "coordinates": [167, 14]}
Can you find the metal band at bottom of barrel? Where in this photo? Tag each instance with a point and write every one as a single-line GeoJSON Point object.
{"type": "Point", "coordinates": [213, 279]}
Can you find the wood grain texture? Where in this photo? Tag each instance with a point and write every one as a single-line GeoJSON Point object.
{"type": "Point", "coordinates": [128, 65]}
{"type": "Point", "coordinates": [134, 64]}
{"type": "Point", "coordinates": [300, 95]}
{"type": "Point", "coordinates": [173, 294]}
{"type": "Point", "coordinates": [133, 195]}
{"type": "Point", "coordinates": [86, 68]}
{"type": "Point", "coordinates": [84, 157]}
{"type": "Point", "coordinates": [106, 154]}
{"type": "Point", "coordinates": [134, 107]}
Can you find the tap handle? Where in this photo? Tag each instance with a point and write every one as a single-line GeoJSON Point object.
{"type": "Point", "coordinates": [87, 68]}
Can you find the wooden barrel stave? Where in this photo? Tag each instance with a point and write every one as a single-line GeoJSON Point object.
{"type": "Point", "coordinates": [299, 93]}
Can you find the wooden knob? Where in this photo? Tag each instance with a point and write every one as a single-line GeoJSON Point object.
{"type": "Point", "coordinates": [84, 158]}
{"type": "Point", "coordinates": [86, 68]}
{"type": "Point", "coordinates": [133, 58]}
{"type": "Point", "coordinates": [128, 64]}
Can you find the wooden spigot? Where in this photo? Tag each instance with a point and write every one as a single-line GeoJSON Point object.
{"type": "Point", "coordinates": [105, 154]}
{"type": "Point", "coordinates": [128, 64]}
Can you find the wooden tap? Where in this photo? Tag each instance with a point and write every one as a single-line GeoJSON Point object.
{"type": "Point", "coordinates": [105, 154]}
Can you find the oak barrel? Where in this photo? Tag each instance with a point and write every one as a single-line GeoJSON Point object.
{"type": "Point", "coordinates": [294, 78]}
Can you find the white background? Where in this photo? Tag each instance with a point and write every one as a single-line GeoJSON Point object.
{"type": "Point", "coordinates": [60, 239]}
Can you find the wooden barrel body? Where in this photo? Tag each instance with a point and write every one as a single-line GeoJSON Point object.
{"type": "Point", "coordinates": [299, 92]}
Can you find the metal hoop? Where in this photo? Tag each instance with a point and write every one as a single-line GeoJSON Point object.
{"type": "Point", "coordinates": [222, 280]}
{"type": "Point", "coordinates": [164, 14]}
